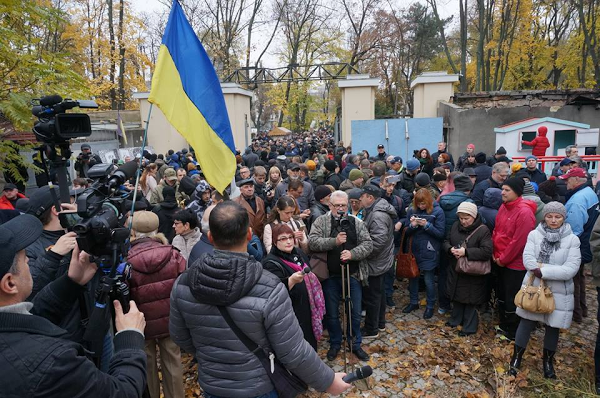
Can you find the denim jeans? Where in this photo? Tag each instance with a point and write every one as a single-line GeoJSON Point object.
{"type": "Point", "coordinates": [332, 290]}
{"type": "Point", "coordinates": [413, 287]}
{"type": "Point", "coordinates": [272, 394]}
{"type": "Point", "coordinates": [442, 280]}
{"type": "Point", "coordinates": [389, 276]}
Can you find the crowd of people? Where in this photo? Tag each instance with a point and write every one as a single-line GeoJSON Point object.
{"type": "Point", "coordinates": [309, 225]}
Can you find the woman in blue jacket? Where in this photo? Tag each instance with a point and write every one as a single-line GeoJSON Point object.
{"type": "Point", "coordinates": [426, 227]}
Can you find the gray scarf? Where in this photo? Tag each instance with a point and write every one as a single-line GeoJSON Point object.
{"type": "Point", "coordinates": [551, 242]}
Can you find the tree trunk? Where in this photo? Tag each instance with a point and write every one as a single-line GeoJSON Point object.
{"type": "Point", "coordinates": [111, 32]}
{"type": "Point", "coordinates": [121, 102]}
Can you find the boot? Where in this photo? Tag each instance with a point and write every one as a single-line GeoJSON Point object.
{"type": "Point", "coordinates": [515, 361]}
{"type": "Point", "coordinates": [548, 361]}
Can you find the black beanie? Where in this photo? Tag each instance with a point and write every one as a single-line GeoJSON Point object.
{"type": "Point", "coordinates": [501, 151]}
{"type": "Point", "coordinates": [330, 165]}
{"type": "Point", "coordinates": [516, 184]}
{"type": "Point", "coordinates": [480, 157]}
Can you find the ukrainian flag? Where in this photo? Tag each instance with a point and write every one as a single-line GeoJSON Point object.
{"type": "Point", "coordinates": [186, 88]}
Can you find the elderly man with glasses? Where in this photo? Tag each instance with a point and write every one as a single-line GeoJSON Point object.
{"type": "Point", "coordinates": [338, 240]}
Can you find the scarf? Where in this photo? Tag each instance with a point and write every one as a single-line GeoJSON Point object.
{"type": "Point", "coordinates": [551, 242]}
{"type": "Point", "coordinates": [315, 296]}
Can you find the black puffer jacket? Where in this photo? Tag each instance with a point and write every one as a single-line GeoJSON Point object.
{"type": "Point", "coordinates": [463, 288]}
{"type": "Point", "coordinates": [260, 305]}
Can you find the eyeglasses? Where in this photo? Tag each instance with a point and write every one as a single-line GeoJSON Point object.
{"type": "Point", "coordinates": [285, 238]}
{"type": "Point", "coordinates": [177, 223]}
{"type": "Point", "coordinates": [339, 206]}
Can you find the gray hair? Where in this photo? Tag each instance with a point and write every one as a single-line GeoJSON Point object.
{"type": "Point", "coordinates": [578, 159]}
{"type": "Point", "coordinates": [568, 149]}
{"type": "Point", "coordinates": [499, 167]}
{"type": "Point", "coordinates": [339, 195]}
{"type": "Point", "coordinates": [205, 217]}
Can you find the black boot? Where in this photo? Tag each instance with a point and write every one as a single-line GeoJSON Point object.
{"type": "Point", "coordinates": [515, 361]}
{"type": "Point", "coordinates": [548, 361]}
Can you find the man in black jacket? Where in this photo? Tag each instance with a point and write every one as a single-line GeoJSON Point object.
{"type": "Point", "coordinates": [166, 211]}
{"type": "Point", "coordinates": [85, 160]}
{"type": "Point", "coordinates": [34, 359]}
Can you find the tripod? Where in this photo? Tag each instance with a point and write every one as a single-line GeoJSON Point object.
{"type": "Point", "coordinates": [347, 313]}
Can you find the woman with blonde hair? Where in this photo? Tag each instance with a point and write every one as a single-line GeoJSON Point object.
{"type": "Point", "coordinates": [148, 180]}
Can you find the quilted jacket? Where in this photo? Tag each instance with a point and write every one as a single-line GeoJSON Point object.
{"type": "Point", "coordinates": [260, 306]}
{"type": "Point", "coordinates": [557, 274]}
{"type": "Point", "coordinates": [155, 266]}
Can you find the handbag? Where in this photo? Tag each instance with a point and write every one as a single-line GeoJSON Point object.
{"type": "Point", "coordinates": [406, 263]}
{"type": "Point", "coordinates": [287, 384]}
{"type": "Point", "coordinates": [472, 267]}
{"type": "Point", "coordinates": [539, 300]}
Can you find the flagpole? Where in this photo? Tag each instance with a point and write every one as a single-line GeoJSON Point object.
{"type": "Point", "coordinates": [139, 171]}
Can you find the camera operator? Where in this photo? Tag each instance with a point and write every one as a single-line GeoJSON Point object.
{"type": "Point", "coordinates": [85, 160]}
{"type": "Point", "coordinates": [337, 238]}
{"type": "Point", "coordinates": [49, 258]}
{"type": "Point", "coordinates": [34, 360]}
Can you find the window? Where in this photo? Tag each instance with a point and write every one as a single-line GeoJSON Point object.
{"type": "Point", "coordinates": [526, 136]}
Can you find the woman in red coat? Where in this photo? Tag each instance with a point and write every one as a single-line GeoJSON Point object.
{"type": "Point", "coordinates": [155, 267]}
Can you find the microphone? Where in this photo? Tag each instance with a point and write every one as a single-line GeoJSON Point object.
{"type": "Point", "coordinates": [306, 270]}
{"type": "Point", "coordinates": [50, 100]}
{"type": "Point", "coordinates": [123, 173]}
{"type": "Point", "coordinates": [360, 373]}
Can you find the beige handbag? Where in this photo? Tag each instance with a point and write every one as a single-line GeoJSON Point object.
{"type": "Point", "coordinates": [539, 300]}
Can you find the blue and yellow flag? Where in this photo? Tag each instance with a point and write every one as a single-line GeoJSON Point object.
{"type": "Point", "coordinates": [186, 88]}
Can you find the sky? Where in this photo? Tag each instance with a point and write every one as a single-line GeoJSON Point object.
{"type": "Point", "coordinates": [446, 8]}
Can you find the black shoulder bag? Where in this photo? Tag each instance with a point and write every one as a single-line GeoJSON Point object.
{"type": "Point", "coordinates": [287, 384]}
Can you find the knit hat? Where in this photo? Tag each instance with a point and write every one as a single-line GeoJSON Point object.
{"type": "Point", "coordinates": [469, 171]}
{"type": "Point", "coordinates": [412, 164]}
{"type": "Point", "coordinates": [530, 157]}
{"type": "Point", "coordinates": [168, 194]}
{"type": "Point", "coordinates": [516, 184]}
{"type": "Point", "coordinates": [554, 207]}
{"type": "Point", "coordinates": [330, 165]}
{"type": "Point", "coordinates": [467, 208]}
{"type": "Point", "coordinates": [354, 193]}
{"type": "Point", "coordinates": [321, 191]}
{"type": "Point", "coordinates": [501, 151]}
{"type": "Point", "coordinates": [312, 166]}
{"type": "Point", "coordinates": [480, 157]}
{"type": "Point", "coordinates": [422, 180]}
{"type": "Point", "coordinates": [170, 174]}
{"type": "Point", "coordinates": [515, 167]}
{"type": "Point", "coordinates": [528, 189]}
{"type": "Point", "coordinates": [463, 183]}
{"type": "Point", "coordinates": [355, 174]}
{"type": "Point", "coordinates": [548, 187]}
{"type": "Point", "coordinates": [439, 177]}
{"type": "Point", "coordinates": [145, 221]}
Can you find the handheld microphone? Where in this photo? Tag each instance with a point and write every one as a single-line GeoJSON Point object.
{"type": "Point", "coordinates": [360, 373]}
{"type": "Point", "coordinates": [123, 173]}
{"type": "Point", "coordinates": [306, 270]}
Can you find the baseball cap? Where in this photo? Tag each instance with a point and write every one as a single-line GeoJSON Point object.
{"type": "Point", "coordinates": [396, 159]}
{"type": "Point", "coordinates": [380, 146]}
{"type": "Point", "coordinates": [575, 172]}
{"type": "Point", "coordinates": [9, 186]}
{"type": "Point", "coordinates": [294, 166]}
{"type": "Point", "coordinates": [563, 162]}
{"type": "Point", "coordinates": [41, 200]}
{"type": "Point", "coordinates": [371, 190]}
{"type": "Point", "coordinates": [16, 235]}
{"type": "Point", "coordinates": [170, 174]}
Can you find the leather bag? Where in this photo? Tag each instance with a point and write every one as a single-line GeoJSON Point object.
{"type": "Point", "coordinates": [406, 263]}
{"type": "Point", "coordinates": [471, 267]}
{"type": "Point", "coordinates": [537, 299]}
